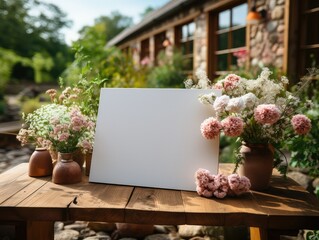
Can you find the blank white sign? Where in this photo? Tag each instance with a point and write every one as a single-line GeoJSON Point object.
{"type": "Point", "coordinates": [151, 138]}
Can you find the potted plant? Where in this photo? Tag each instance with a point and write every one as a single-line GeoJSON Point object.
{"type": "Point", "coordinates": [258, 112]}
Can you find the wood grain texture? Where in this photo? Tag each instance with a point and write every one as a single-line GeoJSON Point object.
{"type": "Point", "coordinates": [284, 206]}
{"type": "Point", "coordinates": [148, 205]}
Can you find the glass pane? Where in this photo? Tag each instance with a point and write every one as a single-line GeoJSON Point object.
{"type": "Point", "coordinates": [239, 15]}
{"type": "Point", "coordinates": [191, 29]}
{"type": "Point", "coordinates": [311, 58]}
{"type": "Point", "coordinates": [184, 32]}
{"type": "Point", "coordinates": [188, 64]}
{"type": "Point", "coordinates": [310, 4]}
{"type": "Point", "coordinates": [222, 41]}
{"type": "Point", "coordinates": [191, 47]}
{"type": "Point", "coordinates": [312, 34]}
{"type": "Point", "coordinates": [222, 62]}
{"type": "Point", "coordinates": [239, 38]}
{"type": "Point", "coordinates": [183, 48]}
{"type": "Point", "coordinates": [224, 19]}
{"type": "Point", "coordinates": [233, 60]}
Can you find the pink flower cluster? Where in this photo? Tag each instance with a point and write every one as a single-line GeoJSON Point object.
{"type": "Point", "coordinates": [232, 126]}
{"type": "Point", "coordinates": [210, 128]}
{"type": "Point", "coordinates": [267, 114]}
{"type": "Point", "coordinates": [208, 185]}
{"type": "Point", "coordinates": [231, 82]}
{"type": "Point", "coordinates": [301, 124]}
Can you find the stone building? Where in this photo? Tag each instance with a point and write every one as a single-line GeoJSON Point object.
{"type": "Point", "coordinates": [214, 35]}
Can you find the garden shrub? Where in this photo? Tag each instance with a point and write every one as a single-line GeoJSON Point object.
{"type": "Point", "coordinates": [169, 72]}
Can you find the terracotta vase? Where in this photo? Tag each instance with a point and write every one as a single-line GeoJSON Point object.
{"type": "Point", "coordinates": [257, 165]}
{"type": "Point", "coordinates": [40, 163]}
{"type": "Point", "coordinates": [79, 157]}
{"type": "Point", "coordinates": [88, 160]}
{"type": "Point", "coordinates": [66, 171]}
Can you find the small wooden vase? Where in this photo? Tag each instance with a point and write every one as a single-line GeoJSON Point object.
{"type": "Point", "coordinates": [40, 163]}
{"type": "Point", "coordinates": [66, 171]}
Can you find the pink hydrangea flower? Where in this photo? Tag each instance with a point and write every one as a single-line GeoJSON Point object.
{"type": "Point", "coordinates": [64, 137]}
{"type": "Point", "coordinates": [238, 185]}
{"type": "Point", "coordinates": [210, 128]}
{"type": "Point", "coordinates": [204, 183]}
{"type": "Point", "coordinates": [267, 114]}
{"type": "Point", "coordinates": [233, 126]}
{"type": "Point", "coordinates": [301, 124]}
{"type": "Point", "coordinates": [221, 184]}
{"type": "Point", "coordinates": [231, 82]}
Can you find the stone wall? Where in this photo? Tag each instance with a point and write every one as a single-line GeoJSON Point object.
{"type": "Point", "coordinates": [200, 43]}
{"type": "Point", "coordinates": [267, 37]}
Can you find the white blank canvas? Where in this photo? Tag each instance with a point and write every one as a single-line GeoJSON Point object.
{"type": "Point", "coordinates": [151, 138]}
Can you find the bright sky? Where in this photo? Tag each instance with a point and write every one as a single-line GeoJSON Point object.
{"type": "Point", "coordinates": [83, 12]}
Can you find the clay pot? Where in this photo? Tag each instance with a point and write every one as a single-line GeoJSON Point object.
{"type": "Point", "coordinates": [66, 171]}
{"type": "Point", "coordinates": [257, 165]}
{"type": "Point", "coordinates": [40, 163]}
{"type": "Point", "coordinates": [79, 157]}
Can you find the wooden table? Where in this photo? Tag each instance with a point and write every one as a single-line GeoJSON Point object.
{"type": "Point", "coordinates": [33, 204]}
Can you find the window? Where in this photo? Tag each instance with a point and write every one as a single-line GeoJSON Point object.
{"type": "Point", "coordinates": [309, 35]}
{"type": "Point", "coordinates": [228, 31]}
{"type": "Point", "coordinates": [185, 41]}
{"type": "Point", "coordinates": [158, 41]}
{"type": "Point", "coordinates": [145, 52]}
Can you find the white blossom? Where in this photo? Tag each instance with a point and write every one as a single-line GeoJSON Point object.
{"type": "Point", "coordinates": [235, 105]}
{"type": "Point", "coordinates": [221, 103]}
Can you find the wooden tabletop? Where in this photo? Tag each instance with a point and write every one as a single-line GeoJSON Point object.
{"type": "Point", "coordinates": [285, 205]}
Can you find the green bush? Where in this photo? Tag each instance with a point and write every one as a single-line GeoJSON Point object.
{"type": "Point", "coordinates": [30, 105]}
{"type": "Point", "coordinates": [304, 149]}
{"type": "Point", "coordinates": [169, 73]}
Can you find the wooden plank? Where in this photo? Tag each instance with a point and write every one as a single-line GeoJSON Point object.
{"type": "Point", "coordinates": [100, 202]}
{"type": "Point", "coordinates": [14, 181]}
{"type": "Point", "coordinates": [11, 174]}
{"type": "Point", "coordinates": [288, 205]}
{"type": "Point", "coordinates": [155, 206]}
{"type": "Point", "coordinates": [25, 192]}
{"type": "Point", "coordinates": [242, 210]}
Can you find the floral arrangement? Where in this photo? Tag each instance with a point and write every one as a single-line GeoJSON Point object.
{"type": "Point", "coordinates": [60, 125]}
{"type": "Point", "coordinates": [256, 111]}
{"type": "Point", "coordinates": [220, 185]}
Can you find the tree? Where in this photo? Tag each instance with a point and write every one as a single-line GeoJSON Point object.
{"type": "Point", "coordinates": [146, 12]}
{"type": "Point", "coordinates": [38, 31]}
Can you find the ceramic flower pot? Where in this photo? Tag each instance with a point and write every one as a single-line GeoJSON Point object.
{"type": "Point", "coordinates": [79, 157]}
{"type": "Point", "coordinates": [257, 164]}
{"type": "Point", "coordinates": [40, 163]}
{"type": "Point", "coordinates": [66, 171]}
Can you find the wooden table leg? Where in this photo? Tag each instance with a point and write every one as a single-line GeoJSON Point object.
{"type": "Point", "coordinates": [270, 234]}
{"type": "Point", "coordinates": [38, 230]}
{"type": "Point", "coordinates": [257, 233]}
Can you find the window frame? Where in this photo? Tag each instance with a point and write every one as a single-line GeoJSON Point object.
{"type": "Point", "coordinates": [187, 41]}
{"type": "Point", "coordinates": [213, 32]}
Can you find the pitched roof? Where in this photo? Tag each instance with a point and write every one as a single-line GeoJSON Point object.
{"type": "Point", "coordinates": [152, 18]}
